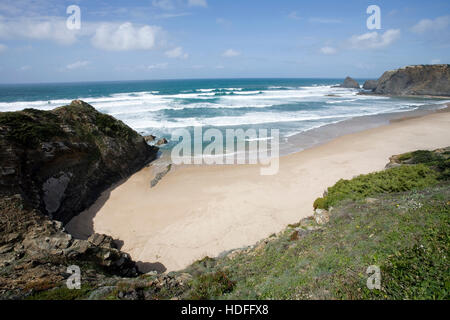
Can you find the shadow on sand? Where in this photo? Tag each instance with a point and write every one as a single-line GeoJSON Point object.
{"type": "Point", "coordinates": [82, 227]}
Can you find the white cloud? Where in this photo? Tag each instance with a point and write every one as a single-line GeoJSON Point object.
{"type": "Point", "coordinates": [3, 47]}
{"type": "Point", "coordinates": [220, 67]}
{"type": "Point", "coordinates": [427, 25]}
{"type": "Point", "coordinates": [24, 68]}
{"type": "Point", "coordinates": [328, 50]}
{"type": "Point", "coordinates": [293, 15]}
{"type": "Point", "coordinates": [164, 4]}
{"type": "Point", "coordinates": [157, 66]}
{"type": "Point", "coordinates": [125, 37]}
{"type": "Point", "coordinates": [197, 3]}
{"type": "Point", "coordinates": [177, 53]}
{"type": "Point", "coordinates": [374, 40]}
{"type": "Point", "coordinates": [77, 65]}
{"type": "Point", "coordinates": [53, 29]}
{"type": "Point", "coordinates": [231, 53]}
{"type": "Point", "coordinates": [436, 61]}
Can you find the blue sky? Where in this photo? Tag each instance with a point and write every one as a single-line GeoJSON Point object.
{"type": "Point", "coordinates": [167, 39]}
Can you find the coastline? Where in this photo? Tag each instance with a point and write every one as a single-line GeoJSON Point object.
{"type": "Point", "coordinates": [219, 208]}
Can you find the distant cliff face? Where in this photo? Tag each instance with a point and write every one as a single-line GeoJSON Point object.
{"type": "Point", "coordinates": [433, 80]}
{"type": "Point", "coordinates": [61, 160]}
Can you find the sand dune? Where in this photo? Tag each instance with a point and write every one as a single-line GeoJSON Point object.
{"type": "Point", "coordinates": [198, 211]}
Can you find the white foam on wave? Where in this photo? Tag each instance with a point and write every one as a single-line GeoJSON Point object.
{"type": "Point", "coordinates": [144, 109]}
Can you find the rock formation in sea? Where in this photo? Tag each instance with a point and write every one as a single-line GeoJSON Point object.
{"type": "Point", "coordinates": [370, 84]}
{"type": "Point", "coordinates": [431, 80]}
{"type": "Point", "coordinates": [350, 83]}
{"type": "Point", "coordinates": [53, 165]}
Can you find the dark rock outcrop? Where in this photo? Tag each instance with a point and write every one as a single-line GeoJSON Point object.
{"type": "Point", "coordinates": [370, 84]}
{"type": "Point", "coordinates": [350, 83]}
{"type": "Point", "coordinates": [53, 165]}
{"type": "Point", "coordinates": [428, 80]}
{"type": "Point", "coordinates": [61, 160]}
{"type": "Point", "coordinates": [36, 251]}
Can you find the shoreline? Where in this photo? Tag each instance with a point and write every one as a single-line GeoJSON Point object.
{"type": "Point", "coordinates": [317, 136]}
{"type": "Point", "coordinates": [194, 212]}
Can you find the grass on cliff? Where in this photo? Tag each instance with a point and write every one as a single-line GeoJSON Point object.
{"type": "Point", "coordinates": [425, 168]}
{"type": "Point", "coordinates": [62, 293]}
{"type": "Point", "coordinates": [30, 126]}
{"type": "Point", "coordinates": [113, 127]}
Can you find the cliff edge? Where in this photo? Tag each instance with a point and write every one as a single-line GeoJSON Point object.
{"type": "Point", "coordinates": [426, 80]}
{"type": "Point", "coordinates": [61, 160]}
{"type": "Point", "coordinates": [53, 165]}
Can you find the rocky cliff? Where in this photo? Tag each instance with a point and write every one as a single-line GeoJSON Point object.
{"type": "Point", "coordinates": [54, 164]}
{"type": "Point", "coordinates": [61, 160]}
{"type": "Point", "coordinates": [430, 80]}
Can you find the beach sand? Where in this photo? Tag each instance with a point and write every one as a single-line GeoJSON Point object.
{"type": "Point", "coordinates": [198, 211]}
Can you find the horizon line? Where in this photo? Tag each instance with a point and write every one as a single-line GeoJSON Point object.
{"type": "Point", "coordinates": [181, 79]}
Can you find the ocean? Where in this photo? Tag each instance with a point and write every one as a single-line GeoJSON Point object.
{"type": "Point", "coordinates": [159, 107]}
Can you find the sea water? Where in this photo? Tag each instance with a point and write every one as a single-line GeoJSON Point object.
{"type": "Point", "coordinates": [159, 107]}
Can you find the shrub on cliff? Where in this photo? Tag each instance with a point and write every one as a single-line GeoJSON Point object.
{"type": "Point", "coordinates": [210, 285]}
{"type": "Point", "coordinates": [393, 180]}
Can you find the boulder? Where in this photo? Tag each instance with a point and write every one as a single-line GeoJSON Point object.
{"type": "Point", "coordinates": [102, 240]}
{"type": "Point", "coordinates": [321, 216]}
{"type": "Point", "coordinates": [350, 83]}
{"type": "Point", "coordinates": [428, 80]}
{"type": "Point", "coordinates": [149, 138]}
{"type": "Point", "coordinates": [370, 85]}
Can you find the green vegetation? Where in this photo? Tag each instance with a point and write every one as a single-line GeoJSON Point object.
{"type": "Point", "coordinates": [30, 126]}
{"type": "Point", "coordinates": [398, 179]}
{"type": "Point", "coordinates": [423, 168]}
{"type": "Point", "coordinates": [62, 293]}
{"type": "Point", "coordinates": [210, 285]}
{"type": "Point", "coordinates": [112, 127]}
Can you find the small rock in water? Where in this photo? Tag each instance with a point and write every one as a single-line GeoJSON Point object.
{"type": "Point", "coordinates": [149, 138]}
{"type": "Point", "coordinates": [161, 141]}
{"type": "Point", "coordinates": [350, 83]}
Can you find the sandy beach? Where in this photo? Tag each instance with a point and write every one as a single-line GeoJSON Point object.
{"type": "Point", "coordinates": [202, 211]}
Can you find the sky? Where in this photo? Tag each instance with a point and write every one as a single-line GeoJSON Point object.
{"type": "Point", "coordinates": [179, 39]}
